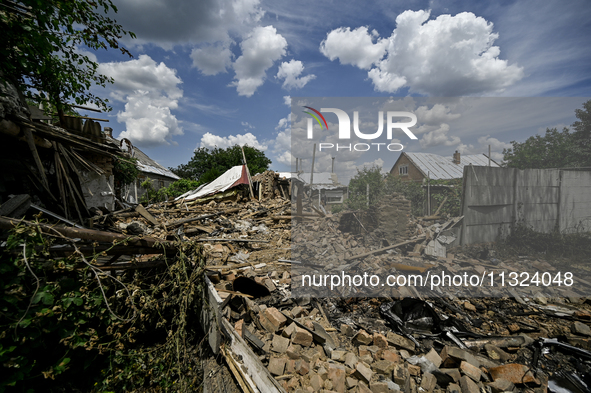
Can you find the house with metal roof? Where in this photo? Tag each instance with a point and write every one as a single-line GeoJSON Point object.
{"type": "Point", "coordinates": [419, 166]}
{"type": "Point", "coordinates": [158, 175]}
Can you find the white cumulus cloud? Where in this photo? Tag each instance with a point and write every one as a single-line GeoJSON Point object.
{"type": "Point", "coordinates": [210, 140]}
{"type": "Point", "coordinates": [439, 137]}
{"type": "Point", "coordinates": [353, 47]}
{"type": "Point", "coordinates": [446, 56]}
{"type": "Point", "coordinates": [150, 91]}
{"type": "Point", "coordinates": [260, 50]}
{"type": "Point", "coordinates": [496, 147]}
{"type": "Point", "coordinates": [149, 122]}
{"type": "Point", "coordinates": [212, 60]}
{"type": "Point", "coordinates": [290, 72]}
{"type": "Point", "coordinates": [436, 115]}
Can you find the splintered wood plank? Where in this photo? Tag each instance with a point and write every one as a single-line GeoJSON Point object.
{"type": "Point", "coordinates": [146, 214]}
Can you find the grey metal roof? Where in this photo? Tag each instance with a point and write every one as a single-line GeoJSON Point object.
{"type": "Point", "coordinates": [147, 165]}
{"type": "Point", "coordinates": [438, 167]}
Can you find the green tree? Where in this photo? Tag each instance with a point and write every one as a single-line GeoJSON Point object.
{"type": "Point", "coordinates": [39, 50]}
{"type": "Point", "coordinates": [582, 134]}
{"type": "Point", "coordinates": [373, 177]}
{"type": "Point", "coordinates": [207, 165]}
{"type": "Point", "coordinates": [553, 150]}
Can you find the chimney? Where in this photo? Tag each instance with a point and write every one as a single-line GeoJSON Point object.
{"type": "Point", "coordinates": [456, 159]}
{"type": "Point", "coordinates": [108, 131]}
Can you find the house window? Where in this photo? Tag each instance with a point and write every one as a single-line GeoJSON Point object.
{"type": "Point", "coordinates": [403, 170]}
{"type": "Point", "coordinates": [333, 197]}
{"type": "Point", "coordinates": [160, 184]}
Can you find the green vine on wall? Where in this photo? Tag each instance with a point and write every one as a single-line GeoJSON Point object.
{"type": "Point", "coordinates": [125, 170]}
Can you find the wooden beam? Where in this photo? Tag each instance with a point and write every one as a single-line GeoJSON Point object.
{"type": "Point", "coordinates": [146, 214]}
{"type": "Point", "coordinates": [33, 148]}
{"type": "Point", "coordinates": [187, 220]}
{"type": "Point", "coordinates": [89, 234]}
{"type": "Point", "coordinates": [247, 173]}
{"type": "Point", "coordinates": [366, 254]}
{"type": "Point", "coordinates": [85, 107]}
{"type": "Point", "coordinates": [86, 118]}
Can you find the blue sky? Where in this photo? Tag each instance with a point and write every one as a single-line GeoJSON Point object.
{"type": "Point", "coordinates": [219, 72]}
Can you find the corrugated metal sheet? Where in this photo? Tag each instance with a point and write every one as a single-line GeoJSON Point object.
{"type": "Point", "coordinates": [440, 168]}
{"type": "Point", "coordinates": [231, 178]}
{"type": "Point", "coordinates": [147, 165]}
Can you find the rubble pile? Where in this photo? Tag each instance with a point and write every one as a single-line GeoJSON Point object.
{"type": "Point", "coordinates": [463, 339]}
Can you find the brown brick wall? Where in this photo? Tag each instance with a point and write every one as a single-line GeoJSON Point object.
{"type": "Point", "coordinates": [413, 173]}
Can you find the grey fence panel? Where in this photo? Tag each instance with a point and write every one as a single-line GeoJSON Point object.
{"type": "Point", "coordinates": [495, 198]}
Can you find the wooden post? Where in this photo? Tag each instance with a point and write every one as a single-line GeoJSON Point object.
{"type": "Point", "coordinates": [312, 172]}
{"type": "Point", "coordinates": [33, 148]}
{"type": "Point", "coordinates": [428, 194]}
{"type": "Point", "coordinates": [299, 207]}
{"type": "Point", "coordinates": [247, 173]}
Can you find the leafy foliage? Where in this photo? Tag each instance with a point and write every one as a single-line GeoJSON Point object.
{"type": "Point", "coordinates": [555, 149]}
{"type": "Point", "coordinates": [453, 193]}
{"type": "Point", "coordinates": [177, 188]}
{"type": "Point", "coordinates": [380, 185]}
{"type": "Point", "coordinates": [411, 190]}
{"type": "Point", "coordinates": [39, 48]}
{"type": "Point", "coordinates": [207, 165]}
{"type": "Point", "coordinates": [582, 134]}
{"type": "Point", "coordinates": [125, 170]}
{"type": "Point", "coordinates": [373, 177]}
{"type": "Point", "coordinates": [59, 332]}
{"type": "Point", "coordinates": [523, 240]}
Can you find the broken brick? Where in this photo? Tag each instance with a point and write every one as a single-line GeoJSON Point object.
{"type": "Point", "coordinates": [275, 316]}
{"type": "Point", "coordinates": [428, 382]}
{"type": "Point", "coordinates": [302, 337]}
{"type": "Point", "coordinates": [276, 366]}
{"type": "Point", "coordinates": [471, 371]}
{"type": "Point", "coordinates": [363, 372]}
{"type": "Point", "coordinates": [513, 372]}
{"type": "Point", "coordinates": [362, 338]}
{"type": "Point", "coordinates": [379, 340]}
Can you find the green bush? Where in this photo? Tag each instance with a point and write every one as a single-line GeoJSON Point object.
{"type": "Point", "coordinates": [176, 189]}
{"type": "Point", "coordinates": [66, 327]}
{"type": "Point", "coordinates": [412, 191]}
